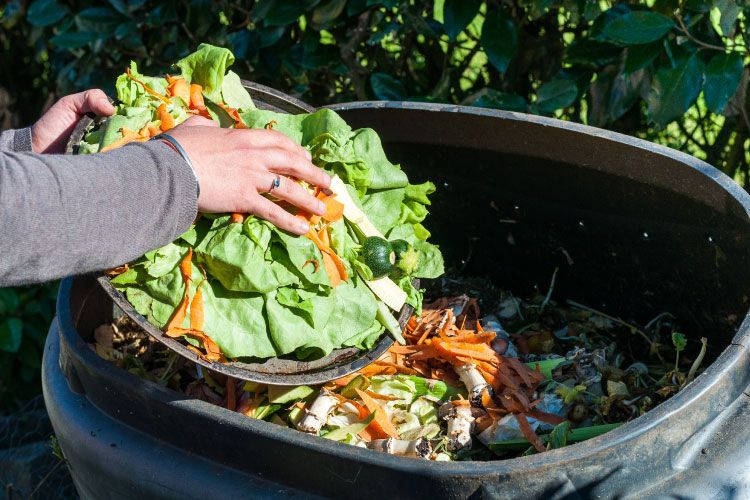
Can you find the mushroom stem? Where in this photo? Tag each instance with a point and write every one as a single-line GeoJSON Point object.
{"type": "Point", "coordinates": [420, 448]}
{"type": "Point", "coordinates": [460, 425]}
{"type": "Point", "coordinates": [315, 416]}
{"type": "Point", "coordinates": [474, 382]}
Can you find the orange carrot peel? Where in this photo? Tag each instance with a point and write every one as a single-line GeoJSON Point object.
{"type": "Point", "coordinates": [167, 121]}
{"type": "Point", "coordinates": [380, 424]}
{"type": "Point", "coordinates": [146, 87]}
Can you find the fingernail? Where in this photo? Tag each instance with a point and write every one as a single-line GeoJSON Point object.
{"type": "Point", "coordinates": [320, 207]}
{"type": "Point", "coordinates": [308, 155]}
{"type": "Point", "coordinates": [303, 227]}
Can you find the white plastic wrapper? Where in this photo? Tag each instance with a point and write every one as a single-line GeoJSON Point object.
{"type": "Point", "coordinates": [507, 427]}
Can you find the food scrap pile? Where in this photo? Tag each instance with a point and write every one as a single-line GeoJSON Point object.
{"type": "Point", "coordinates": [235, 286]}
{"type": "Point", "coordinates": [530, 376]}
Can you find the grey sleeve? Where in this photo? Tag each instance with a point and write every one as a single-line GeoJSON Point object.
{"type": "Point", "coordinates": [16, 140]}
{"type": "Point", "coordinates": [64, 215]}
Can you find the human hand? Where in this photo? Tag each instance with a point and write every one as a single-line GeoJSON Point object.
{"type": "Point", "coordinates": [51, 132]}
{"type": "Point", "coordinates": [236, 167]}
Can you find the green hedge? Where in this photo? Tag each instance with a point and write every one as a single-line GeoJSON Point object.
{"type": "Point", "coordinates": [669, 71]}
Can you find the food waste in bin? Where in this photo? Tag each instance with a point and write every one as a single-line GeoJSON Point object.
{"type": "Point", "coordinates": [483, 375]}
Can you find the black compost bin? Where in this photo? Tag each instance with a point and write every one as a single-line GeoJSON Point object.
{"type": "Point", "coordinates": [635, 229]}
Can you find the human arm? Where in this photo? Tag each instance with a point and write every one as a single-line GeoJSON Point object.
{"type": "Point", "coordinates": [65, 215]}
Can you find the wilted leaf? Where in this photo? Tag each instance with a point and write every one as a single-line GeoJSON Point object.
{"type": "Point", "coordinates": [634, 28]}
{"type": "Point", "coordinates": [554, 95]}
{"type": "Point", "coordinates": [674, 90]}
{"type": "Point", "coordinates": [45, 12]}
{"type": "Point", "coordinates": [457, 14]}
{"type": "Point", "coordinates": [10, 334]}
{"type": "Point", "coordinates": [387, 88]}
{"type": "Point", "coordinates": [723, 75]}
{"type": "Point", "coordinates": [499, 39]}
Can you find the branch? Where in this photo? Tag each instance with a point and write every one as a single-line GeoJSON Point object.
{"type": "Point", "coordinates": [700, 43]}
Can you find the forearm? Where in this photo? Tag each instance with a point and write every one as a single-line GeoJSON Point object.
{"type": "Point", "coordinates": [64, 215]}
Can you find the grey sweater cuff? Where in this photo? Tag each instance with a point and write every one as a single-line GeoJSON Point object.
{"type": "Point", "coordinates": [22, 140]}
{"type": "Point", "coordinates": [18, 140]}
{"type": "Point", "coordinates": [186, 185]}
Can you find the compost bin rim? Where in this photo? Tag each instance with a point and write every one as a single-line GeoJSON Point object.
{"type": "Point", "coordinates": [700, 166]}
{"type": "Point", "coordinates": [731, 357]}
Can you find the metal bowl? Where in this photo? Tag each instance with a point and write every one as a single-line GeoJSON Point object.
{"type": "Point", "coordinates": [278, 371]}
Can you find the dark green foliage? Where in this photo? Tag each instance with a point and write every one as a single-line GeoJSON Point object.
{"type": "Point", "coordinates": [25, 316]}
{"type": "Point", "coordinates": [670, 72]}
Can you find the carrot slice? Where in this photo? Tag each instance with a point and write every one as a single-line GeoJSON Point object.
{"type": "Point", "coordinates": [146, 87]}
{"type": "Point", "coordinates": [237, 218]}
{"type": "Point", "coordinates": [167, 121]}
{"type": "Point", "coordinates": [196, 309]}
{"type": "Point", "coordinates": [186, 269]}
{"type": "Point", "coordinates": [128, 136]}
{"type": "Point", "coordinates": [334, 208]}
{"type": "Point", "coordinates": [384, 397]}
{"type": "Point", "coordinates": [231, 392]}
{"type": "Point", "coordinates": [179, 87]}
{"type": "Point", "coordinates": [315, 264]}
{"type": "Point", "coordinates": [529, 433]}
{"type": "Point", "coordinates": [381, 417]}
{"type": "Point", "coordinates": [196, 96]}
{"type": "Point", "coordinates": [234, 113]}
{"type": "Point", "coordinates": [331, 270]}
{"type": "Point", "coordinates": [325, 249]}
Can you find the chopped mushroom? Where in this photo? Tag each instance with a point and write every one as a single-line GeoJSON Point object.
{"type": "Point", "coordinates": [420, 448]}
{"type": "Point", "coordinates": [474, 382]}
{"type": "Point", "coordinates": [461, 424]}
{"type": "Point", "coordinates": [317, 414]}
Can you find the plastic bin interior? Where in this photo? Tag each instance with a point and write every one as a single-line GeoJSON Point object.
{"type": "Point", "coordinates": [634, 228]}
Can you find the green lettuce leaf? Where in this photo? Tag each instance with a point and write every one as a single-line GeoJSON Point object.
{"type": "Point", "coordinates": [207, 67]}
{"type": "Point", "coordinates": [134, 119]}
{"type": "Point", "coordinates": [240, 262]}
{"type": "Point", "coordinates": [234, 94]}
{"type": "Point", "coordinates": [131, 93]}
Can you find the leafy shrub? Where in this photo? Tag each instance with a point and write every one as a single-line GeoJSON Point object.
{"type": "Point", "coordinates": [25, 316]}
{"type": "Point", "coordinates": [669, 71]}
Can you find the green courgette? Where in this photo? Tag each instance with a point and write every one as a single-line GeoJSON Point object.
{"type": "Point", "coordinates": [399, 247]}
{"type": "Point", "coordinates": [379, 256]}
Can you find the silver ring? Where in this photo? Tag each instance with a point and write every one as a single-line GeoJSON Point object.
{"type": "Point", "coordinates": [276, 183]}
